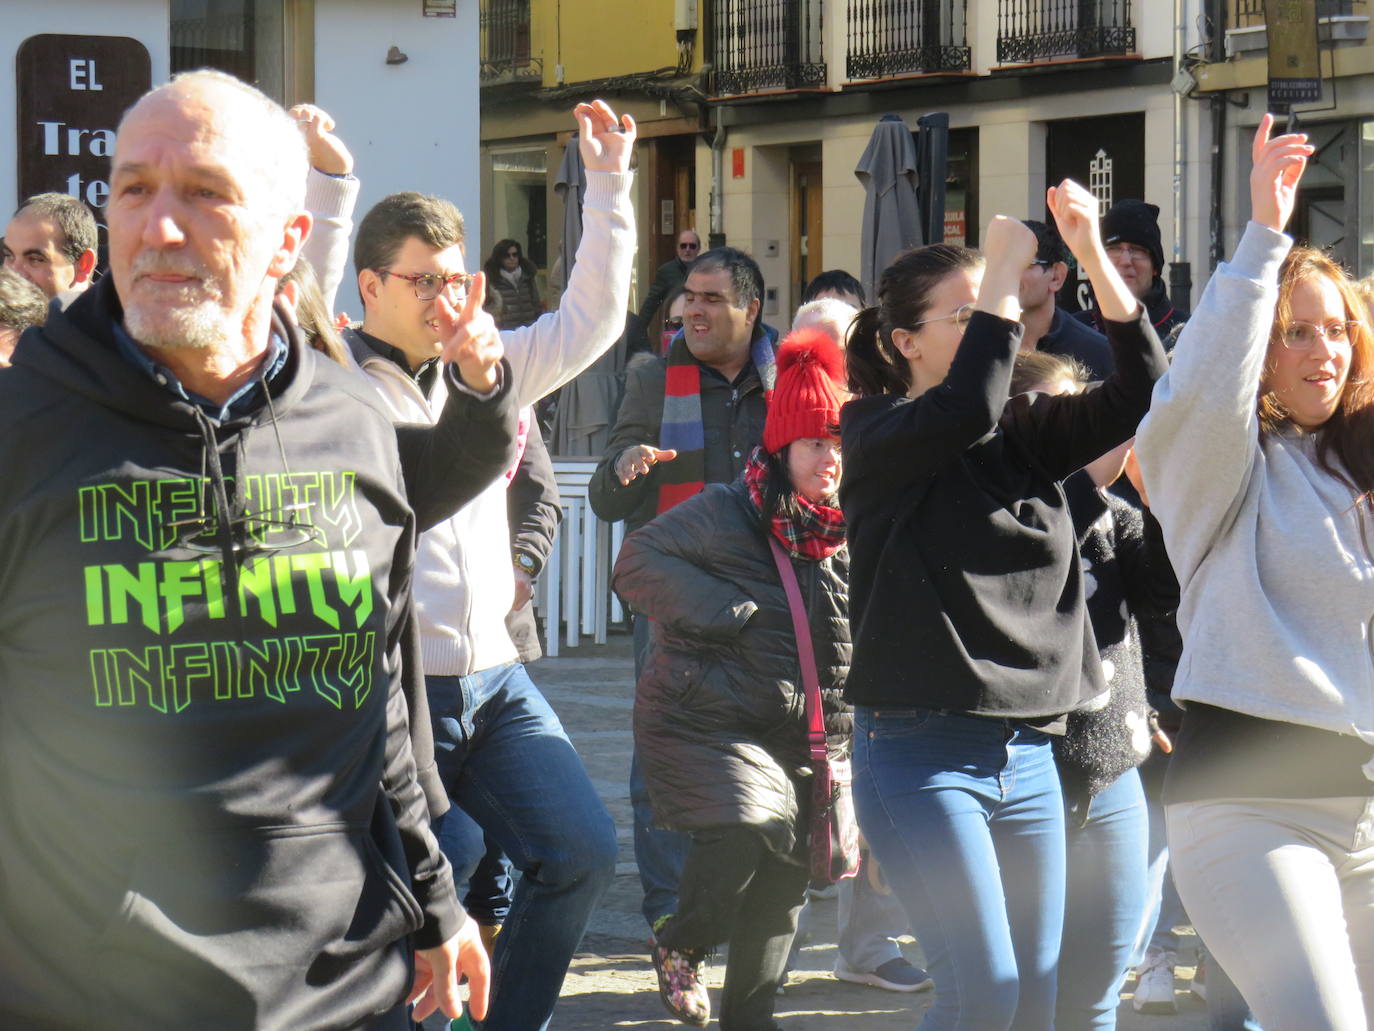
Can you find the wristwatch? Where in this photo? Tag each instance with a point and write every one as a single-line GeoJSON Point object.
{"type": "Point", "coordinates": [523, 561]}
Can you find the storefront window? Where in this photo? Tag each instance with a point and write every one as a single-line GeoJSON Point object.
{"type": "Point", "coordinates": [961, 188]}
{"type": "Point", "coordinates": [1364, 253]}
{"type": "Point", "coordinates": [245, 38]}
{"type": "Point", "coordinates": [520, 201]}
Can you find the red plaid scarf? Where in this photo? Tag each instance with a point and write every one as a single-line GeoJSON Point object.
{"type": "Point", "coordinates": [817, 532]}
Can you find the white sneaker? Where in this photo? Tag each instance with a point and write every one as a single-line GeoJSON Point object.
{"type": "Point", "coordinates": [1154, 986]}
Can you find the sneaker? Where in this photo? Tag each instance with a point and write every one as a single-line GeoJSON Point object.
{"type": "Point", "coordinates": [679, 985]}
{"type": "Point", "coordinates": [1154, 986]}
{"type": "Point", "coordinates": [896, 975]}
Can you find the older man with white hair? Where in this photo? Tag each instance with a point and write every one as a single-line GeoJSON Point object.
{"type": "Point", "coordinates": [211, 815]}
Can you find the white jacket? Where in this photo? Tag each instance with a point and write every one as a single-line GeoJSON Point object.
{"type": "Point", "coordinates": [464, 580]}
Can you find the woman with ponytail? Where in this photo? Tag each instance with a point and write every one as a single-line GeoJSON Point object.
{"type": "Point", "coordinates": [1259, 462]}
{"type": "Point", "coordinates": [971, 637]}
{"type": "Point", "coordinates": [720, 714]}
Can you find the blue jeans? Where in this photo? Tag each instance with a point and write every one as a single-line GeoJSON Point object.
{"type": "Point", "coordinates": [869, 923]}
{"type": "Point", "coordinates": [659, 854]}
{"type": "Point", "coordinates": [481, 871]}
{"type": "Point", "coordinates": [1163, 910]}
{"type": "Point", "coordinates": [507, 763]}
{"type": "Point", "coordinates": [1108, 889]}
{"type": "Point", "coordinates": [967, 818]}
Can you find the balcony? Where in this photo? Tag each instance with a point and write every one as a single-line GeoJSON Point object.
{"type": "Point", "coordinates": [759, 46]}
{"type": "Point", "coordinates": [1337, 20]}
{"type": "Point", "coordinates": [1030, 31]}
{"type": "Point", "coordinates": [505, 44]}
{"type": "Point", "coordinates": [896, 37]}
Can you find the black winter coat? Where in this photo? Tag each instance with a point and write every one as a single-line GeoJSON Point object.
{"type": "Point", "coordinates": [720, 716]}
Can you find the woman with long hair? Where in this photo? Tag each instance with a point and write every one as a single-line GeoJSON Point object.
{"type": "Point", "coordinates": [512, 286]}
{"type": "Point", "coordinates": [1258, 458]}
{"type": "Point", "coordinates": [971, 637]}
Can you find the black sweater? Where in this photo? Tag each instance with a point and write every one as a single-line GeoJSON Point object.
{"type": "Point", "coordinates": [966, 591]}
{"type": "Point", "coordinates": [210, 798]}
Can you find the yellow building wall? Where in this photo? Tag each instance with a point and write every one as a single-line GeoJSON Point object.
{"type": "Point", "coordinates": [622, 37]}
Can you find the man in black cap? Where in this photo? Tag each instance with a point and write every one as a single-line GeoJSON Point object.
{"type": "Point", "coordinates": [1130, 231]}
{"type": "Point", "coordinates": [1049, 327]}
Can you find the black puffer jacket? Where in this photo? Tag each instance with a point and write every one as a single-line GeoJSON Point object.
{"type": "Point", "coordinates": [720, 716]}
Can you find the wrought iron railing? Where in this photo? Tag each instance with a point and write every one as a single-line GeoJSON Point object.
{"type": "Point", "coordinates": [765, 44]}
{"type": "Point", "coordinates": [505, 30]}
{"type": "Point", "coordinates": [1042, 30]}
{"type": "Point", "coordinates": [901, 37]}
{"type": "Point", "coordinates": [1247, 14]}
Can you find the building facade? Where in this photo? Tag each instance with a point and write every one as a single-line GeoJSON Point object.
{"type": "Point", "coordinates": [400, 77]}
{"type": "Point", "coordinates": [776, 100]}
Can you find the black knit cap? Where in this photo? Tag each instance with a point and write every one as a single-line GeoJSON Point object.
{"type": "Point", "coordinates": [1137, 222]}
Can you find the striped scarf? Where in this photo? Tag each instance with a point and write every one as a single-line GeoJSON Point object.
{"type": "Point", "coordinates": [817, 532]}
{"type": "Point", "coordinates": [682, 429]}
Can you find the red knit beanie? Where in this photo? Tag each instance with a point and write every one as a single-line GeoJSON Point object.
{"type": "Point", "coordinates": [808, 392]}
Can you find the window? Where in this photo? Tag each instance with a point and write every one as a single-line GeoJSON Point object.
{"type": "Point", "coordinates": [246, 38]}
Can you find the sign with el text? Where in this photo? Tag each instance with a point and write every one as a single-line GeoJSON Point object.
{"type": "Point", "coordinates": [72, 92]}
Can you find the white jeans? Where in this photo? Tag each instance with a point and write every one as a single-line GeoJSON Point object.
{"type": "Point", "coordinates": [1282, 892]}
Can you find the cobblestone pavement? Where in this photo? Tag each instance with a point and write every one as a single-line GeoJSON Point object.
{"type": "Point", "coordinates": [610, 984]}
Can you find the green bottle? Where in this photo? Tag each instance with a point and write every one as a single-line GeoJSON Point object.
{"type": "Point", "coordinates": [462, 1023]}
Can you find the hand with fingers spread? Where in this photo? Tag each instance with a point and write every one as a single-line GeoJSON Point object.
{"type": "Point", "coordinates": [468, 337]}
{"type": "Point", "coordinates": [1075, 213]}
{"type": "Point", "coordinates": [1278, 165]}
{"type": "Point", "coordinates": [605, 141]}
{"type": "Point", "coordinates": [327, 152]}
{"type": "Point", "coordinates": [438, 971]}
{"type": "Point", "coordinates": [638, 460]}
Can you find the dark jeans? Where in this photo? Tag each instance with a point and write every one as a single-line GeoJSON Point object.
{"type": "Point", "coordinates": [967, 818]}
{"type": "Point", "coordinates": [481, 871]}
{"type": "Point", "coordinates": [1108, 891]}
{"type": "Point", "coordinates": [659, 854]}
{"type": "Point", "coordinates": [507, 763]}
{"type": "Point", "coordinates": [735, 888]}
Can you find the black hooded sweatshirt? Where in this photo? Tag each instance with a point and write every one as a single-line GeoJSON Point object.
{"type": "Point", "coordinates": [209, 812]}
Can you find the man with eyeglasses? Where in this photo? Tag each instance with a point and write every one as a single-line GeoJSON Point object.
{"type": "Point", "coordinates": [667, 281]}
{"type": "Point", "coordinates": [213, 815]}
{"type": "Point", "coordinates": [1130, 231]}
{"type": "Point", "coordinates": [503, 755]}
{"type": "Point", "coordinates": [1047, 326]}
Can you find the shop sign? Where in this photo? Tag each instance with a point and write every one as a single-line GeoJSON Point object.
{"type": "Point", "coordinates": [72, 92]}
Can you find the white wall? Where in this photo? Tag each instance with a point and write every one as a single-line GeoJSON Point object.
{"type": "Point", "coordinates": [144, 20]}
{"type": "Point", "coordinates": [411, 126]}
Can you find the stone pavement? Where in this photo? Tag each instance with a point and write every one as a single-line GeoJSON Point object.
{"type": "Point", "coordinates": [610, 984]}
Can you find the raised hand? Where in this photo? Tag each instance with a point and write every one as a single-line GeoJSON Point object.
{"type": "Point", "coordinates": [605, 141]}
{"type": "Point", "coordinates": [1278, 165]}
{"type": "Point", "coordinates": [327, 152]}
{"type": "Point", "coordinates": [468, 337]}
{"type": "Point", "coordinates": [638, 460]}
{"type": "Point", "coordinates": [1009, 248]}
{"type": "Point", "coordinates": [1075, 213]}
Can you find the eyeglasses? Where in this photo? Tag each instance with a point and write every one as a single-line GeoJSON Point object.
{"type": "Point", "coordinates": [1041, 262]}
{"type": "Point", "coordinates": [512, 254]}
{"type": "Point", "coordinates": [688, 246]}
{"type": "Point", "coordinates": [428, 284]}
{"type": "Point", "coordinates": [1302, 336]}
{"type": "Point", "coordinates": [672, 325]}
{"type": "Point", "coordinates": [1129, 250]}
{"type": "Point", "coordinates": [249, 534]}
{"type": "Point", "coordinates": [960, 315]}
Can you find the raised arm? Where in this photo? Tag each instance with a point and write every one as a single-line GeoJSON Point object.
{"type": "Point", "coordinates": [1065, 432]}
{"type": "Point", "coordinates": [896, 443]}
{"type": "Point", "coordinates": [1199, 444]}
{"type": "Point", "coordinates": [591, 313]}
{"type": "Point", "coordinates": [331, 194]}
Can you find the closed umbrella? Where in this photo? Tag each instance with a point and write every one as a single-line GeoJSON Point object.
{"type": "Point", "coordinates": [587, 405]}
{"type": "Point", "coordinates": [892, 214]}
